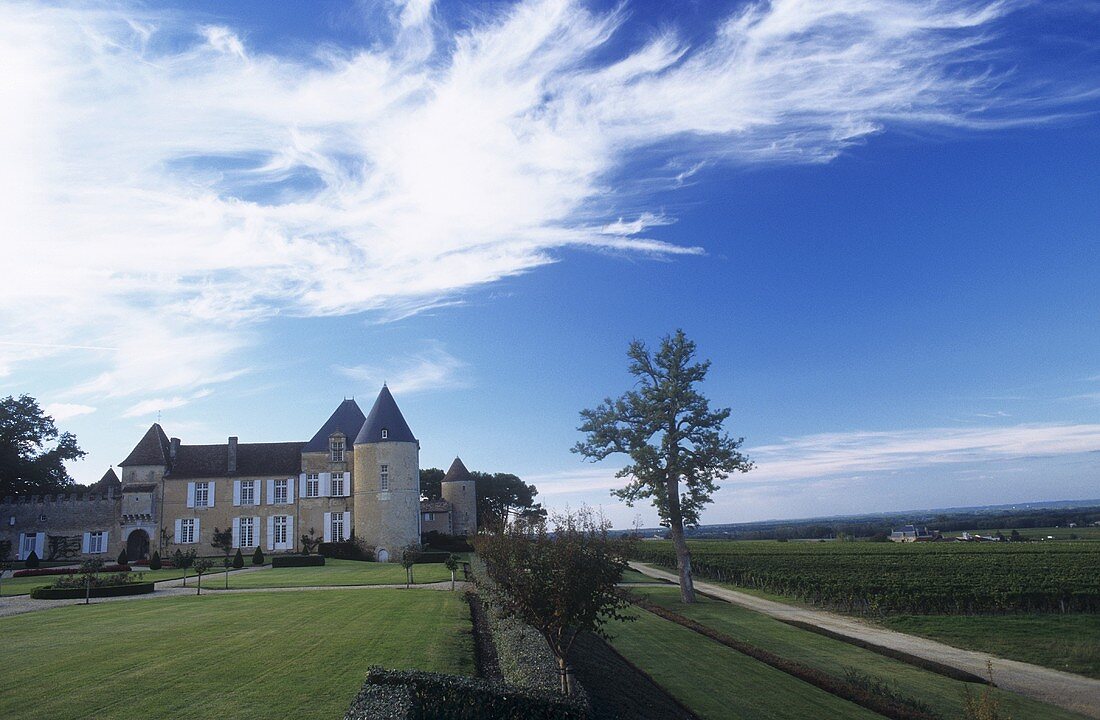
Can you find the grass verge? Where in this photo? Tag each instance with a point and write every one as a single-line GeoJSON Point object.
{"type": "Point", "coordinates": [334, 572]}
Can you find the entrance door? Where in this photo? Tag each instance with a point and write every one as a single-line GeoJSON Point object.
{"type": "Point", "coordinates": [383, 556]}
{"type": "Point", "coordinates": [137, 545]}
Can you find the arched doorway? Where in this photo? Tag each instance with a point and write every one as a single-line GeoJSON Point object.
{"type": "Point", "coordinates": [383, 556]}
{"type": "Point", "coordinates": [137, 545]}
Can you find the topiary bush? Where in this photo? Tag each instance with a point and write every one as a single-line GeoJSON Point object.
{"type": "Point", "coordinates": [123, 559]}
{"type": "Point", "coordinates": [258, 557]}
{"type": "Point", "coordinates": [154, 562]}
{"type": "Point", "coordinates": [32, 561]}
{"type": "Point", "coordinates": [297, 561]}
{"type": "Point", "coordinates": [238, 560]}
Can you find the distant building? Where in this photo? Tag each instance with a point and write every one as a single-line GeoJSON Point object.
{"type": "Point", "coordinates": [913, 533]}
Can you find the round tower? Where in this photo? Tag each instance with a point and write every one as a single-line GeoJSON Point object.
{"type": "Point", "coordinates": [459, 490]}
{"type": "Point", "coordinates": [386, 480]}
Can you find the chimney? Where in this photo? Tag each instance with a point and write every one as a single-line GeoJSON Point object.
{"type": "Point", "coordinates": [232, 466]}
{"type": "Point", "coordinates": [173, 448]}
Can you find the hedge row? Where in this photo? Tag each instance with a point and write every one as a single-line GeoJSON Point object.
{"type": "Point", "coordinates": [419, 695]}
{"type": "Point", "coordinates": [297, 561]}
{"type": "Point", "coordinates": [66, 571]}
{"type": "Point", "coordinates": [49, 593]}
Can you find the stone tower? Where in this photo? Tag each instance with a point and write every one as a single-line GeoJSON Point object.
{"type": "Point", "coordinates": [386, 480]}
{"type": "Point", "coordinates": [459, 490]}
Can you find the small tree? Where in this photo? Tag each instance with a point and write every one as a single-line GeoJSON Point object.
{"type": "Point", "coordinates": [201, 566]}
{"type": "Point", "coordinates": [562, 584]}
{"type": "Point", "coordinates": [452, 565]}
{"type": "Point", "coordinates": [154, 561]}
{"type": "Point", "coordinates": [184, 560]}
{"type": "Point", "coordinates": [671, 435]}
{"type": "Point", "coordinates": [408, 558]}
{"type": "Point", "coordinates": [258, 557]}
{"type": "Point", "coordinates": [89, 569]}
{"type": "Point", "coordinates": [31, 561]}
{"type": "Point", "coordinates": [5, 561]}
{"type": "Point", "coordinates": [223, 540]}
{"type": "Point", "coordinates": [123, 558]}
{"type": "Point", "coordinates": [238, 560]}
{"type": "Point", "coordinates": [310, 542]}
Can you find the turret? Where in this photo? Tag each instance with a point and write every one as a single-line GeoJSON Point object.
{"type": "Point", "coordinates": [459, 490]}
{"type": "Point", "coordinates": [386, 480]}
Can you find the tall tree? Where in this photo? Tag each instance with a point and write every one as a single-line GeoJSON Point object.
{"type": "Point", "coordinates": [32, 451]}
{"type": "Point", "coordinates": [671, 435]}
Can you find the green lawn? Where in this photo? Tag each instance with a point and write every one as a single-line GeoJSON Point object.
{"type": "Point", "coordinates": [720, 683]}
{"type": "Point", "coordinates": [833, 656]}
{"type": "Point", "coordinates": [23, 585]}
{"type": "Point", "coordinates": [254, 655]}
{"type": "Point", "coordinates": [633, 576]}
{"type": "Point", "coordinates": [1063, 642]}
{"type": "Point", "coordinates": [334, 572]}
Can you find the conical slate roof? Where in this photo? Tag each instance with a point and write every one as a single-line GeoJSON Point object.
{"type": "Point", "coordinates": [152, 449]}
{"type": "Point", "coordinates": [457, 472]}
{"type": "Point", "coordinates": [347, 418]}
{"type": "Point", "coordinates": [109, 478]}
{"type": "Point", "coordinates": [385, 415]}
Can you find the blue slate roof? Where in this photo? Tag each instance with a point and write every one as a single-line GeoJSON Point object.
{"type": "Point", "coordinates": [152, 449]}
{"type": "Point", "coordinates": [385, 415]}
{"type": "Point", "coordinates": [347, 418]}
{"type": "Point", "coordinates": [457, 472]}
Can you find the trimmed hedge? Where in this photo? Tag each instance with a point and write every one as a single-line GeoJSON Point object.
{"type": "Point", "coordinates": [419, 695]}
{"type": "Point", "coordinates": [346, 550]}
{"type": "Point", "coordinates": [429, 556]}
{"type": "Point", "coordinates": [297, 561]}
{"type": "Point", "coordinates": [49, 593]}
{"type": "Point", "coordinates": [67, 571]}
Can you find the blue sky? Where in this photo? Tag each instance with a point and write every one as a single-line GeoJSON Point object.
{"type": "Point", "coordinates": [877, 218]}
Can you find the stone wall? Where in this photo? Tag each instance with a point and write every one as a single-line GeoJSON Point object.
{"type": "Point", "coordinates": [64, 519]}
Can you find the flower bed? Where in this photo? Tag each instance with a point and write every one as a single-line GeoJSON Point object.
{"type": "Point", "coordinates": [73, 593]}
{"type": "Point", "coordinates": [65, 571]}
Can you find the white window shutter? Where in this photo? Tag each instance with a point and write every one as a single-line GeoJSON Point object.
{"type": "Point", "coordinates": [270, 532]}
{"type": "Point", "coordinates": [210, 494]}
{"type": "Point", "coordinates": [19, 555]}
{"type": "Point", "coordinates": [236, 532]}
{"type": "Point", "coordinates": [84, 547]}
{"type": "Point", "coordinates": [347, 524]}
{"type": "Point", "coordinates": [106, 540]}
{"type": "Point", "coordinates": [256, 525]}
{"type": "Point", "coordinates": [327, 535]}
{"type": "Point", "coordinates": [290, 541]}
{"type": "Point", "coordinates": [179, 531]}
{"type": "Point", "coordinates": [326, 484]}
{"type": "Point", "coordinates": [190, 494]}
{"type": "Point", "coordinates": [270, 492]}
{"type": "Point", "coordinates": [303, 488]}
{"type": "Point", "coordinates": [236, 493]}
{"type": "Point", "coordinates": [290, 490]}
{"type": "Point", "coordinates": [347, 484]}
{"type": "Point", "coordinates": [38, 543]}
{"type": "Point", "coordinates": [256, 493]}
{"type": "Point", "coordinates": [198, 530]}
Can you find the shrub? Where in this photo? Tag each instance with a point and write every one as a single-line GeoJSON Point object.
{"type": "Point", "coordinates": [423, 557]}
{"type": "Point", "coordinates": [417, 694]}
{"type": "Point", "coordinates": [353, 549]}
{"type": "Point", "coordinates": [67, 571]}
{"type": "Point", "coordinates": [297, 561]}
{"type": "Point", "coordinates": [435, 540]}
{"type": "Point", "coordinates": [154, 562]}
{"type": "Point", "coordinates": [123, 559]}
{"type": "Point", "coordinates": [72, 593]}
{"type": "Point", "coordinates": [31, 561]}
{"type": "Point", "coordinates": [238, 560]}
{"type": "Point", "coordinates": [258, 557]}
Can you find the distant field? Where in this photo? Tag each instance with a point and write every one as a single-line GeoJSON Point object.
{"type": "Point", "coordinates": [334, 572]}
{"type": "Point", "coordinates": [1062, 642]}
{"type": "Point", "coordinates": [1058, 533]}
{"type": "Point", "coordinates": [914, 578]}
{"type": "Point", "coordinates": [249, 655]}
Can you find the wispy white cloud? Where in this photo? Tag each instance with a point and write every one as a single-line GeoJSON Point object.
{"type": "Point", "coordinates": [431, 369]}
{"type": "Point", "coordinates": [167, 187]}
{"type": "Point", "coordinates": [64, 411]}
{"type": "Point", "coordinates": [156, 405]}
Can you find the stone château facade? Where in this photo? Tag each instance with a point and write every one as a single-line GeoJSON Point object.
{"type": "Point", "coordinates": [357, 474]}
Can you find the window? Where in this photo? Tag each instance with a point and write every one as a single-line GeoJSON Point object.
{"type": "Point", "coordinates": [337, 487]}
{"type": "Point", "coordinates": [280, 530]}
{"type": "Point", "coordinates": [384, 478]}
{"type": "Point", "coordinates": [248, 492]}
{"type": "Point", "coordinates": [247, 534]}
{"type": "Point", "coordinates": [280, 492]}
{"type": "Point", "coordinates": [96, 542]}
{"type": "Point", "coordinates": [187, 529]}
{"type": "Point", "coordinates": [336, 449]}
{"type": "Point", "coordinates": [385, 433]}
{"type": "Point", "coordinates": [30, 542]}
{"type": "Point", "coordinates": [428, 517]}
{"type": "Point", "coordinates": [338, 527]}
{"type": "Point", "coordinates": [313, 485]}
{"type": "Point", "coordinates": [202, 494]}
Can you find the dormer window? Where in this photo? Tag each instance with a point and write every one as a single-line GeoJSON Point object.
{"type": "Point", "coordinates": [336, 449]}
{"type": "Point", "coordinates": [385, 433]}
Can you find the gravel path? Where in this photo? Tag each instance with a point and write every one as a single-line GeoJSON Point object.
{"type": "Point", "coordinates": [21, 604]}
{"type": "Point", "coordinates": [1072, 692]}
